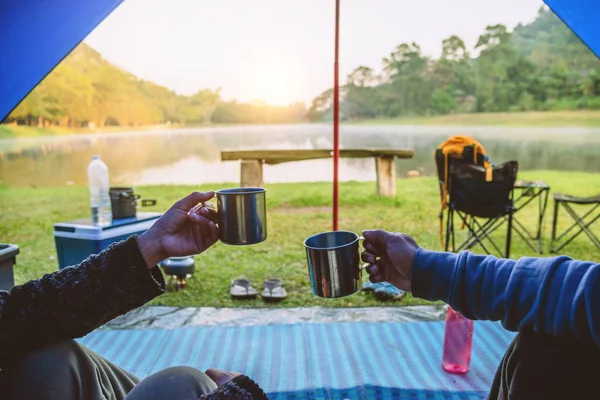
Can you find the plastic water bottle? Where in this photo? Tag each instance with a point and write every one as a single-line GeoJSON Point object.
{"type": "Point", "coordinates": [458, 341]}
{"type": "Point", "coordinates": [99, 192]}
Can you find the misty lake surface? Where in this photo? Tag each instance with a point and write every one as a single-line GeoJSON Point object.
{"type": "Point", "coordinates": [192, 155]}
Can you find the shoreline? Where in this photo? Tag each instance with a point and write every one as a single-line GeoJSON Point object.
{"type": "Point", "coordinates": [535, 119]}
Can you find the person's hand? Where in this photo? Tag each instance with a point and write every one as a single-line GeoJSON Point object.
{"type": "Point", "coordinates": [221, 377]}
{"type": "Point", "coordinates": [181, 231]}
{"type": "Point", "coordinates": [390, 256]}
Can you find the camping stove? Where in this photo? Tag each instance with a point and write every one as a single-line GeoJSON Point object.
{"type": "Point", "coordinates": [180, 269]}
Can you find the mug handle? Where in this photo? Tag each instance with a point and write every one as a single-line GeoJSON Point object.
{"type": "Point", "coordinates": [214, 216]}
{"type": "Point", "coordinates": [365, 265]}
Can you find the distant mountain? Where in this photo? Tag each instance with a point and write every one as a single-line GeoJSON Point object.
{"type": "Point", "coordinates": [547, 42]}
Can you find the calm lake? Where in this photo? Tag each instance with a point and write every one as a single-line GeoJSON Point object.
{"type": "Point", "coordinates": [192, 156]}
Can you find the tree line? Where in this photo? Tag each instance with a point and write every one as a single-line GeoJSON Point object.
{"type": "Point", "coordinates": [86, 90]}
{"type": "Point", "coordinates": [539, 66]}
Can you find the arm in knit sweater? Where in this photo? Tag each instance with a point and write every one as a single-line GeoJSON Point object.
{"type": "Point", "coordinates": [72, 302]}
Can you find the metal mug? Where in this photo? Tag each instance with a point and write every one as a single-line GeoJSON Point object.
{"type": "Point", "coordinates": [334, 263]}
{"type": "Point", "coordinates": [242, 215]}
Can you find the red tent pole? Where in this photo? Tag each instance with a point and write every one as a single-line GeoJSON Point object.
{"type": "Point", "coordinates": [336, 118]}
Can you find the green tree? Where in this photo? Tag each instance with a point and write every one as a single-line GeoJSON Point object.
{"type": "Point", "coordinates": [358, 94]}
{"type": "Point", "coordinates": [442, 101]}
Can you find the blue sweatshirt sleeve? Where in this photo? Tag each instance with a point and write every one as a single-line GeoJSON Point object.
{"type": "Point", "coordinates": [555, 296]}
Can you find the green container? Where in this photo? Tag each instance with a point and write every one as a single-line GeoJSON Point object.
{"type": "Point", "coordinates": [8, 258]}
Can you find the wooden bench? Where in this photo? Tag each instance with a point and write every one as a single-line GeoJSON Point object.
{"type": "Point", "coordinates": [252, 163]}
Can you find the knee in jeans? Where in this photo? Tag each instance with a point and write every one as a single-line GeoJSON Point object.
{"type": "Point", "coordinates": [182, 374]}
{"type": "Point", "coordinates": [174, 382]}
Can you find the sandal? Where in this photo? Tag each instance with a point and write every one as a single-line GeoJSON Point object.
{"type": "Point", "coordinates": [387, 291]}
{"type": "Point", "coordinates": [274, 290]}
{"type": "Point", "coordinates": [242, 289]}
{"type": "Point", "coordinates": [368, 286]}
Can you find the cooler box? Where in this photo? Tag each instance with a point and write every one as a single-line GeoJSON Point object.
{"type": "Point", "coordinates": [77, 240]}
{"type": "Point", "coordinates": [8, 258]}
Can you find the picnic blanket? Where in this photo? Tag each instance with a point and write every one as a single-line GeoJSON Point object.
{"type": "Point", "coordinates": [317, 361]}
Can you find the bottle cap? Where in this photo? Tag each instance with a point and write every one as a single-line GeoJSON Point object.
{"type": "Point", "coordinates": [96, 157]}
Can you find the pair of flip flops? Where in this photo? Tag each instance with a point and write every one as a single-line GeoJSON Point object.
{"type": "Point", "coordinates": [384, 290]}
{"type": "Point", "coordinates": [273, 289]}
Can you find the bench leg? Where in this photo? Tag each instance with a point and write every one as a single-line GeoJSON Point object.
{"type": "Point", "coordinates": [251, 174]}
{"type": "Point", "coordinates": [386, 176]}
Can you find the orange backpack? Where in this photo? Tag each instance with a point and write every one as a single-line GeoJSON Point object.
{"type": "Point", "coordinates": [455, 148]}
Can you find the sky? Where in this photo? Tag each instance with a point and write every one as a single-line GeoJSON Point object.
{"type": "Point", "coordinates": [281, 51]}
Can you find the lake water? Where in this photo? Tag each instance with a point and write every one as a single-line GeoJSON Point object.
{"type": "Point", "coordinates": [192, 156]}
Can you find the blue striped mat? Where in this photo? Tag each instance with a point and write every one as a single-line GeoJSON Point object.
{"type": "Point", "coordinates": [317, 361]}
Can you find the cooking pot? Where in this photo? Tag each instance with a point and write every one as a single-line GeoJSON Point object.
{"type": "Point", "coordinates": [124, 202]}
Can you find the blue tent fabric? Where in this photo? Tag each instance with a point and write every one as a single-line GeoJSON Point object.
{"type": "Point", "coordinates": [35, 35]}
{"type": "Point", "coordinates": [583, 17]}
{"type": "Point", "coordinates": [315, 361]}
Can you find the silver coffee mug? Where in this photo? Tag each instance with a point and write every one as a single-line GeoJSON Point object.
{"type": "Point", "coordinates": [241, 215]}
{"type": "Point", "coordinates": [334, 263]}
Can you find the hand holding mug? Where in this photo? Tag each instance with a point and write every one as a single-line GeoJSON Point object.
{"type": "Point", "coordinates": [181, 231]}
{"type": "Point", "coordinates": [241, 215]}
{"type": "Point", "coordinates": [390, 256]}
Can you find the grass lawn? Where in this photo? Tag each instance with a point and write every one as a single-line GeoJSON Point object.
{"type": "Point", "coordinates": [553, 119]}
{"type": "Point", "coordinates": [295, 211]}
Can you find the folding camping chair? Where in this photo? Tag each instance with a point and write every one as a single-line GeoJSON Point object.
{"type": "Point", "coordinates": [583, 222]}
{"type": "Point", "coordinates": [481, 205]}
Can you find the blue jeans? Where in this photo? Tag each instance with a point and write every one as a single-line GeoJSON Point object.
{"type": "Point", "coordinates": [546, 367]}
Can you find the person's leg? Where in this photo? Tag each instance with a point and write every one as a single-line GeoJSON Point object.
{"type": "Point", "coordinates": [65, 371]}
{"type": "Point", "coordinates": [181, 383]}
{"type": "Point", "coordinates": [546, 367]}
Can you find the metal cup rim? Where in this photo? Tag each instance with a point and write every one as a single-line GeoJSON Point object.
{"type": "Point", "coordinates": [334, 247]}
{"type": "Point", "coordinates": [239, 191]}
